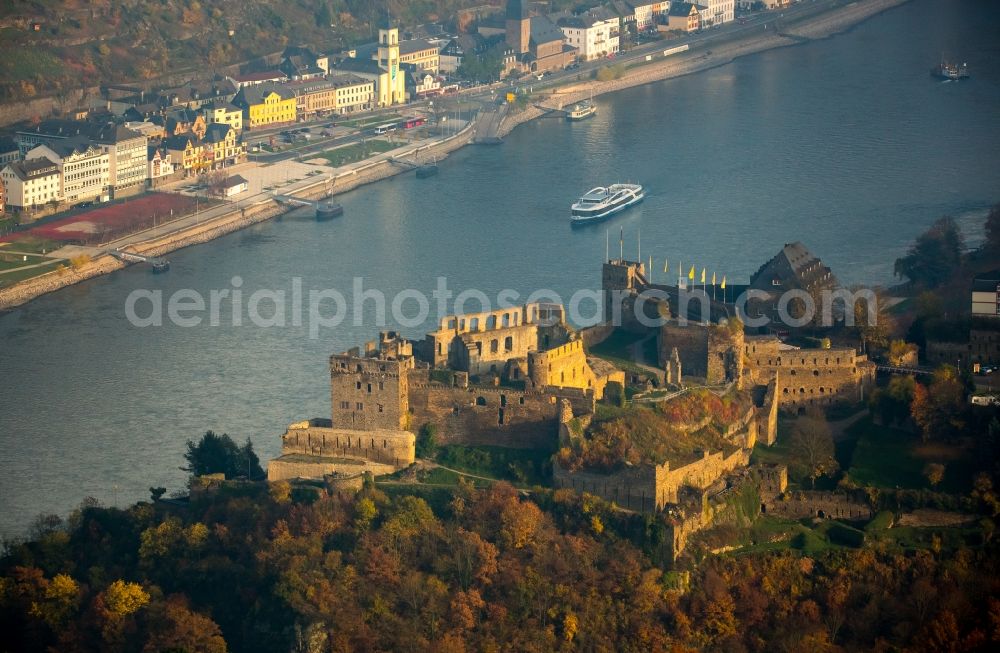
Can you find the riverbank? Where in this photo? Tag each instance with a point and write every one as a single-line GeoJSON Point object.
{"type": "Point", "coordinates": [242, 215]}
{"type": "Point", "coordinates": [811, 28]}
{"type": "Point", "coordinates": [249, 212]}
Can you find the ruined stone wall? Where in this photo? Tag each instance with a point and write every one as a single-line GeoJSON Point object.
{"type": "Point", "coordinates": [767, 414]}
{"type": "Point", "coordinates": [833, 505]}
{"type": "Point", "coordinates": [692, 343]}
{"type": "Point", "coordinates": [809, 376]}
{"type": "Point", "coordinates": [293, 467]}
{"type": "Point", "coordinates": [369, 393]}
{"type": "Point", "coordinates": [487, 351]}
{"type": "Point", "coordinates": [649, 488]}
{"type": "Point", "coordinates": [565, 366]}
{"type": "Point", "coordinates": [491, 416]}
{"type": "Point", "coordinates": [725, 354]}
{"type": "Point", "coordinates": [390, 447]}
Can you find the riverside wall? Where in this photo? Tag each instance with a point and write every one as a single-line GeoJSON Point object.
{"type": "Point", "coordinates": [239, 218]}
{"type": "Point", "coordinates": [697, 60]}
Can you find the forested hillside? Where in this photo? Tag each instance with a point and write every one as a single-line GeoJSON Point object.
{"type": "Point", "coordinates": [67, 44]}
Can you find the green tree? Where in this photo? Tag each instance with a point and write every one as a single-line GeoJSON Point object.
{"type": "Point", "coordinates": [992, 228]}
{"type": "Point", "coordinates": [219, 454]}
{"type": "Point", "coordinates": [426, 445]}
{"type": "Point", "coordinates": [935, 255]}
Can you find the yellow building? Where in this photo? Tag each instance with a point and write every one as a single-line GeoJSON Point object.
{"type": "Point", "coordinates": [187, 151]}
{"type": "Point", "coordinates": [222, 147]}
{"type": "Point", "coordinates": [266, 105]}
{"type": "Point", "coordinates": [224, 113]}
{"type": "Point", "coordinates": [384, 68]}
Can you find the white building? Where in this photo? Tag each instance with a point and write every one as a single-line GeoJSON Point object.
{"type": "Point", "coordinates": [126, 150]}
{"type": "Point", "coordinates": [593, 35]}
{"type": "Point", "coordinates": [646, 14]}
{"type": "Point", "coordinates": [31, 183]}
{"type": "Point", "coordinates": [84, 168]}
{"type": "Point", "coordinates": [160, 164]}
{"type": "Point", "coordinates": [716, 12]}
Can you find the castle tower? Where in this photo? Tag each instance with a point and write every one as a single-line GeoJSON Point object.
{"type": "Point", "coordinates": [369, 393]}
{"type": "Point", "coordinates": [518, 26]}
{"type": "Point", "coordinates": [393, 89]}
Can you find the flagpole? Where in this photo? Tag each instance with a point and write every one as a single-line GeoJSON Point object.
{"type": "Point", "coordinates": [607, 245]}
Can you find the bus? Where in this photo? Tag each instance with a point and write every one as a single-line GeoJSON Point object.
{"type": "Point", "coordinates": [386, 128]}
{"type": "Point", "coordinates": [410, 123]}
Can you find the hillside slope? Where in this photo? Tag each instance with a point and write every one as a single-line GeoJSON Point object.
{"type": "Point", "coordinates": [49, 46]}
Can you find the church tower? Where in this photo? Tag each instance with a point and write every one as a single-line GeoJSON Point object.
{"type": "Point", "coordinates": [518, 26]}
{"type": "Point", "coordinates": [393, 89]}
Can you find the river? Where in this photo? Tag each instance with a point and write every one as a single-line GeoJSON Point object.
{"type": "Point", "coordinates": [846, 144]}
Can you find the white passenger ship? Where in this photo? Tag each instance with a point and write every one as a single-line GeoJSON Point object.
{"type": "Point", "coordinates": [598, 203]}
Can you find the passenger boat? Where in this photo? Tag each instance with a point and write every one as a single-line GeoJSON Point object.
{"type": "Point", "coordinates": [159, 265]}
{"type": "Point", "coordinates": [598, 203]}
{"type": "Point", "coordinates": [951, 71]}
{"type": "Point", "coordinates": [581, 111]}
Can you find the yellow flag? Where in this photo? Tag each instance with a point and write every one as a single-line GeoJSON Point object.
{"type": "Point", "coordinates": [703, 275]}
{"type": "Point", "coordinates": [713, 278]}
{"type": "Point", "coordinates": [691, 274]}
{"type": "Point", "coordinates": [723, 282]}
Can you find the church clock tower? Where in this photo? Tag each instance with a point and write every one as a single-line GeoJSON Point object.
{"type": "Point", "coordinates": [394, 89]}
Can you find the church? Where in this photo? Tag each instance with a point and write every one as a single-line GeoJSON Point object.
{"type": "Point", "coordinates": [384, 69]}
{"type": "Point", "coordinates": [538, 44]}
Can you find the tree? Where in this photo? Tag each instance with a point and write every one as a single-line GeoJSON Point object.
{"type": "Point", "coordinates": [156, 493]}
{"type": "Point", "coordinates": [935, 255]}
{"type": "Point", "coordinates": [992, 242]}
{"type": "Point", "coordinates": [426, 444]}
{"type": "Point", "coordinates": [939, 409]}
{"type": "Point", "coordinates": [122, 598]}
{"type": "Point", "coordinates": [812, 444]}
{"type": "Point", "coordinates": [218, 454]}
{"type": "Point", "coordinates": [934, 473]}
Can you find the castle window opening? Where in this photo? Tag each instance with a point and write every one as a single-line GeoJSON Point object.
{"type": "Point", "coordinates": [494, 346]}
{"type": "Point", "coordinates": [508, 343]}
{"type": "Point", "coordinates": [451, 323]}
{"type": "Point", "coordinates": [503, 400]}
{"type": "Point", "coordinates": [360, 406]}
{"type": "Point", "coordinates": [815, 372]}
{"type": "Point", "coordinates": [784, 391]}
{"type": "Point", "coordinates": [562, 377]}
{"type": "Point", "coordinates": [802, 391]}
{"type": "Point", "coordinates": [369, 388]}
{"type": "Point", "coordinates": [385, 445]}
{"type": "Point", "coordinates": [506, 319]}
{"type": "Point", "coordinates": [358, 385]}
{"type": "Point", "coordinates": [461, 325]}
{"type": "Point", "coordinates": [345, 405]}
{"type": "Point", "coordinates": [380, 407]}
{"type": "Point", "coordinates": [520, 400]}
{"type": "Point", "coordinates": [480, 401]}
{"type": "Point", "coordinates": [381, 385]}
{"type": "Point", "coordinates": [491, 322]}
{"type": "Point", "coordinates": [359, 367]}
{"type": "Point", "coordinates": [474, 324]}
{"type": "Point", "coordinates": [792, 372]}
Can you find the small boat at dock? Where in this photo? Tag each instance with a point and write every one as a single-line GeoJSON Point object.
{"type": "Point", "coordinates": [581, 111]}
{"type": "Point", "coordinates": [325, 210]}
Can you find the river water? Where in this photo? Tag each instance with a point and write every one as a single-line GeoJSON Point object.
{"type": "Point", "coordinates": [846, 144]}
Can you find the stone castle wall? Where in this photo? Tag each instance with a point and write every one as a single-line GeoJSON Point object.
{"type": "Point", "coordinates": [368, 393]}
{"type": "Point", "coordinates": [390, 447]}
{"type": "Point", "coordinates": [809, 376]}
{"type": "Point", "coordinates": [497, 416]}
{"type": "Point", "coordinates": [650, 488]}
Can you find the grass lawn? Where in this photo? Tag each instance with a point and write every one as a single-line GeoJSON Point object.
{"type": "Point", "coordinates": [11, 278]}
{"type": "Point", "coordinates": [14, 261]}
{"type": "Point", "coordinates": [616, 349]}
{"type": "Point", "coordinates": [519, 466]}
{"type": "Point", "coordinates": [31, 245]}
{"type": "Point", "coordinates": [370, 120]}
{"type": "Point", "coordinates": [889, 458]}
{"type": "Point", "coordinates": [356, 152]}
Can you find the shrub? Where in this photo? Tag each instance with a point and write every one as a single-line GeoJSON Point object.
{"type": "Point", "coordinates": [844, 534]}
